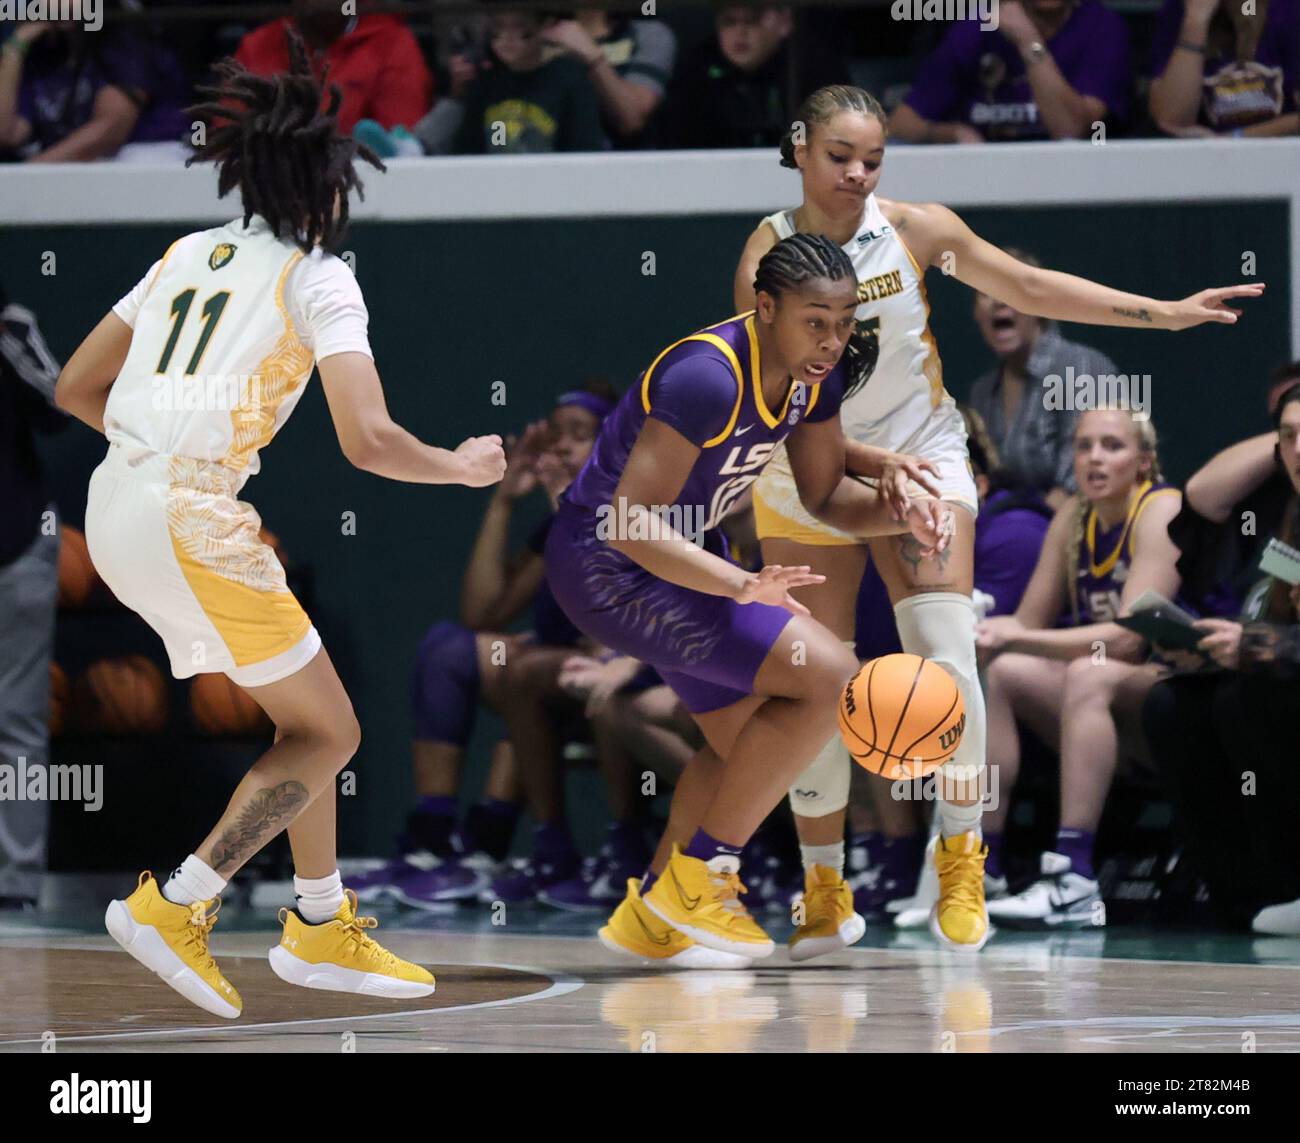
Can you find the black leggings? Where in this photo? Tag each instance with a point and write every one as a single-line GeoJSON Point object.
{"type": "Point", "coordinates": [1226, 747]}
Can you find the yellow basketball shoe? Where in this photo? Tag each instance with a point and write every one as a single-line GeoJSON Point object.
{"type": "Point", "coordinates": [704, 903]}
{"type": "Point", "coordinates": [825, 916]}
{"type": "Point", "coordinates": [338, 956]}
{"type": "Point", "coordinates": [959, 918]}
{"type": "Point", "coordinates": [633, 930]}
{"type": "Point", "coordinates": [172, 940]}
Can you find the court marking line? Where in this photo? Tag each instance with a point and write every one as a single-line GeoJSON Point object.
{"type": "Point", "coordinates": [562, 983]}
{"type": "Point", "coordinates": [1008, 952]}
{"type": "Point", "coordinates": [1172, 1023]}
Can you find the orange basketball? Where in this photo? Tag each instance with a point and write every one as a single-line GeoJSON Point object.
{"type": "Point", "coordinates": [122, 696]}
{"type": "Point", "coordinates": [901, 716]}
{"type": "Point", "coordinates": [220, 707]}
{"type": "Point", "coordinates": [77, 575]}
{"type": "Point", "coordinates": [58, 698]}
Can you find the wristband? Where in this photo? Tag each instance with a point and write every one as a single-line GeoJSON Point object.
{"type": "Point", "coordinates": [20, 47]}
{"type": "Point", "coordinates": [1188, 46]}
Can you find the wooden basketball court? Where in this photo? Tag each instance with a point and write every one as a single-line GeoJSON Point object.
{"type": "Point", "coordinates": [541, 984]}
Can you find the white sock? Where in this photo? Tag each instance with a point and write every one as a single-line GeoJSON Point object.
{"type": "Point", "coordinates": [319, 898]}
{"type": "Point", "coordinates": [831, 856]}
{"type": "Point", "coordinates": [954, 820]}
{"type": "Point", "coordinates": [195, 880]}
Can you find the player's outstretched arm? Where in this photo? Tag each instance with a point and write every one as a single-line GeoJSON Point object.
{"type": "Point", "coordinates": [817, 459]}
{"type": "Point", "coordinates": [374, 442]}
{"type": "Point", "coordinates": [84, 382]}
{"type": "Point", "coordinates": [948, 242]}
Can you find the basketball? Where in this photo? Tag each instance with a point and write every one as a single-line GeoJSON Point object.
{"type": "Point", "coordinates": [901, 716]}
{"type": "Point", "coordinates": [220, 707]}
{"type": "Point", "coordinates": [77, 575]}
{"type": "Point", "coordinates": [121, 696]}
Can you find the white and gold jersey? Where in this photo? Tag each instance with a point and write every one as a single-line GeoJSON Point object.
{"type": "Point", "coordinates": [227, 326]}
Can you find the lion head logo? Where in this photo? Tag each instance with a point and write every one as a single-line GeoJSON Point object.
{"type": "Point", "coordinates": [222, 253]}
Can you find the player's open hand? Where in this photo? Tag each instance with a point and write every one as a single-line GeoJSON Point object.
{"type": "Point", "coordinates": [773, 585]}
{"type": "Point", "coordinates": [932, 524]}
{"type": "Point", "coordinates": [897, 472]}
{"type": "Point", "coordinates": [483, 461]}
{"type": "Point", "coordinates": [522, 454]}
{"type": "Point", "coordinates": [1211, 305]}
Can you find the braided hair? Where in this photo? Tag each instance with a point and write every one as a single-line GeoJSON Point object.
{"type": "Point", "coordinates": [269, 136]}
{"type": "Point", "coordinates": [798, 259]}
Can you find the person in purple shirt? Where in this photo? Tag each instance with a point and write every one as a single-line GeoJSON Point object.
{"type": "Point", "coordinates": [68, 95]}
{"type": "Point", "coordinates": [759, 676]}
{"type": "Point", "coordinates": [1217, 70]}
{"type": "Point", "coordinates": [1051, 70]}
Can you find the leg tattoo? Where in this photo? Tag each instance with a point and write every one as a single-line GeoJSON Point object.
{"type": "Point", "coordinates": [266, 814]}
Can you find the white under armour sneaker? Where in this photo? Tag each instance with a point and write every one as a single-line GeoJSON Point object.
{"type": "Point", "coordinates": [1278, 920]}
{"type": "Point", "coordinates": [1060, 898]}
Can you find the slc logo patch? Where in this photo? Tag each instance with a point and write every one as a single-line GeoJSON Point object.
{"type": "Point", "coordinates": [220, 255]}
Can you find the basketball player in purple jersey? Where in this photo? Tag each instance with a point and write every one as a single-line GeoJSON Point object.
{"type": "Point", "coordinates": [759, 676]}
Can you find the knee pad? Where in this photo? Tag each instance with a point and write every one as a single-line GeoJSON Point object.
{"type": "Point", "coordinates": [940, 625]}
{"type": "Point", "coordinates": [445, 684]}
{"type": "Point", "coordinates": [823, 788]}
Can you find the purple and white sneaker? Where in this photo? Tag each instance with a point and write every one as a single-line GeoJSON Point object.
{"type": "Point", "coordinates": [525, 877]}
{"type": "Point", "coordinates": [381, 884]}
{"type": "Point", "coordinates": [439, 889]}
{"type": "Point", "coordinates": [600, 886]}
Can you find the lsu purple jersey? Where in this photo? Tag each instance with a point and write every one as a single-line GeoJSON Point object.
{"type": "Point", "coordinates": [708, 648]}
{"type": "Point", "coordinates": [1104, 558]}
{"type": "Point", "coordinates": [707, 387]}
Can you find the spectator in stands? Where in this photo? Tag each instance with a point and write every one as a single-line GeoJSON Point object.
{"type": "Point", "coordinates": [629, 63]}
{"type": "Point", "coordinates": [1225, 740]}
{"type": "Point", "coordinates": [1035, 442]}
{"type": "Point", "coordinates": [1053, 69]}
{"type": "Point", "coordinates": [517, 100]}
{"type": "Point", "coordinates": [68, 95]}
{"type": "Point", "coordinates": [462, 664]}
{"type": "Point", "coordinates": [372, 57]}
{"type": "Point", "coordinates": [1077, 686]}
{"type": "Point", "coordinates": [735, 90]}
{"type": "Point", "coordinates": [886, 849]}
{"type": "Point", "coordinates": [1231, 507]}
{"type": "Point", "coordinates": [1220, 70]}
{"type": "Point", "coordinates": [29, 583]}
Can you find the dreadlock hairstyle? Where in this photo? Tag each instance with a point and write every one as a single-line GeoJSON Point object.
{"type": "Point", "coordinates": [823, 105]}
{"type": "Point", "coordinates": [1148, 446]}
{"type": "Point", "coordinates": [269, 137]}
{"type": "Point", "coordinates": [799, 258]}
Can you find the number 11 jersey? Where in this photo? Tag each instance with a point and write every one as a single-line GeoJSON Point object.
{"type": "Point", "coordinates": [226, 328]}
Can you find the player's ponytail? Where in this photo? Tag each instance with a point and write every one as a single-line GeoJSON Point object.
{"type": "Point", "coordinates": [820, 107]}
{"type": "Point", "coordinates": [268, 136]}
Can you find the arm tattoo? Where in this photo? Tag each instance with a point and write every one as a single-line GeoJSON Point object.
{"type": "Point", "coordinates": [262, 817]}
{"type": "Point", "coordinates": [1136, 315]}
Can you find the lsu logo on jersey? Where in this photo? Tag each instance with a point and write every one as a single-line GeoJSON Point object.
{"type": "Point", "coordinates": [222, 253]}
